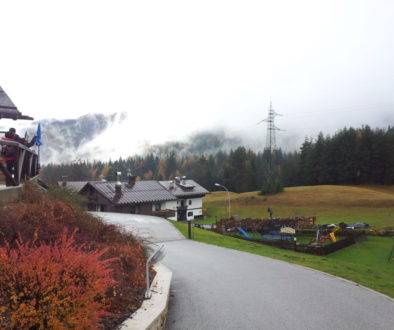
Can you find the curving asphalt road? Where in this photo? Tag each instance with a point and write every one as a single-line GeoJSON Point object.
{"type": "Point", "coordinates": [218, 288]}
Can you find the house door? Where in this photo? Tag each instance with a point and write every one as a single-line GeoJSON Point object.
{"type": "Point", "coordinates": [181, 213]}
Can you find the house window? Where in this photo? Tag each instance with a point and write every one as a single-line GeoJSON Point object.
{"type": "Point", "coordinates": [190, 202]}
{"type": "Point", "coordinates": [189, 214]}
{"type": "Point", "coordinates": [157, 207]}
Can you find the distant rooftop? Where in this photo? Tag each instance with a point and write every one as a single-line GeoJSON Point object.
{"type": "Point", "coordinates": [146, 191]}
{"type": "Point", "coordinates": [8, 109]}
{"type": "Point", "coordinates": [184, 188]}
{"type": "Point", "coordinates": [141, 192]}
{"type": "Point", "coordinates": [73, 185]}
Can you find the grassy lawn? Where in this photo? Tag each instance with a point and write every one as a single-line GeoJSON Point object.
{"type": "Point", "coordinates": [366, 263]}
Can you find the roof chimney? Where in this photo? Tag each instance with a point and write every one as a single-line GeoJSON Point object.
{"type": "Point", "coordinates": [64, 181]}
{"type": "Point", "coordinates": [130, 180]}
{"type": "Point", "coordinates": [118, 185]}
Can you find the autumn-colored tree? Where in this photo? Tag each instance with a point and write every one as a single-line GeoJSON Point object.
{"type": "Point", "coordinates": [161, 169]}
{"type": "Point", "coordinates": [41, 218]}
{"type": "Point", "coordinates": [93, 173]}
{"type": "Point", "coordinates": [148, 175]}
{"type": "Point", "coordinates": [56, 286]}
{"type": "Point", "coordinates": [105, 172]}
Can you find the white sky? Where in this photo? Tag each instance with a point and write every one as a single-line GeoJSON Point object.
{"type": "Point", "coordinates": [183, 66]}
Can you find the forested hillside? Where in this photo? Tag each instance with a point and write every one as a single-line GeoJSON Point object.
{"type": "Point", "coordinates": [351, 156]}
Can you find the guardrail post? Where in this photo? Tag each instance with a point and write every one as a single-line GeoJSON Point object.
{"type": "Point", "coordinates": [148, 294]}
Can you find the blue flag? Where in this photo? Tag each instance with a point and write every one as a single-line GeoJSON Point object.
{"type": "Point", "coordinates": [38, 134]}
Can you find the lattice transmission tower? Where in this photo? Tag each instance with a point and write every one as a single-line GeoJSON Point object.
{"type": "Point", "coordinates": [270, 143]}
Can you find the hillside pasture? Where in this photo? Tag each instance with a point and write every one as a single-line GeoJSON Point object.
{"type": "Point", "coordinates": [330, 204]}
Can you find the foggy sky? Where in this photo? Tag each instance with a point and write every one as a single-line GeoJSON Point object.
{"type": "Point", "coordinates": [182, 66]}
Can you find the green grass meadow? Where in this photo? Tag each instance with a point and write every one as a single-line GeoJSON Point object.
{"type": "Point", "coordinates": [366, 263]}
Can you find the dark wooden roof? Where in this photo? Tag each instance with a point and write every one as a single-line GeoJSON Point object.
{"type": "Point", "coordinates": [185, 189]}
{"type": "Point", "coordinates": [8, 108]}
{"type": "Point", "coordinates": [141, 192]}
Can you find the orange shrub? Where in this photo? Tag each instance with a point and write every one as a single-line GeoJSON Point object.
{"type": "Point", "coordinates": [58, 285]}
{"type": "Point", "coordinates": [42, 218]}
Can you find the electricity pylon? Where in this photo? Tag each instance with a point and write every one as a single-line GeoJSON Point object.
{"type": "Point", "coordinates": [270, 143]}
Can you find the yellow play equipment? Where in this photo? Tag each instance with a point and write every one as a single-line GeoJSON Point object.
{"type": "Point", "coordinates": [332, 234]}
{"type": "Point", "coordinates": [322, 239]}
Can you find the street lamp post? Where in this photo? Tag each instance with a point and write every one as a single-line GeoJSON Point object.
{"type": "Point", "coordinates": [228, 197]}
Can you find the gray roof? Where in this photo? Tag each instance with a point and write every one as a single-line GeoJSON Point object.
{"type": "Point", "coordinates": [8, 108]}
{"type": "Point", "coordinates": [73, 185]}
{"type": "Point", "coordinates": [185, 189]}
{"type": "Point", "coordinates": [141, 192]}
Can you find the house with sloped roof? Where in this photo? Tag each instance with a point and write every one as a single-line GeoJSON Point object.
{"type": "Point", "coordinates": [189, 194]}
{"type": "Point", "coordinates": [176, 200]}
{"type": "Point", "coordinates": [75, 186]}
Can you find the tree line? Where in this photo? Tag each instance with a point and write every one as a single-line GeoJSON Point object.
{"type": "Point", "coordinates": [351, 156]}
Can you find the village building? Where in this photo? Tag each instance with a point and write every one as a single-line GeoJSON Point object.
{"type": "Point", "coordinates": [72, 185]}
{"type": "Point", "coordinates": [180, 199]}
{"type": "Point", "coordinates": [189, 197]}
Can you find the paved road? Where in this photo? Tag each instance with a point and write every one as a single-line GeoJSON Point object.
{"type": "Point", "coordinates": [218, 288]}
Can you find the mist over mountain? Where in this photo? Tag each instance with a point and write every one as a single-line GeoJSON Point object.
{"type": "Point", "coordinates": [110, 137]}
{"type": "Point", "coordinates": [71, 139]}
{"type": "Point", "coordinates": [67, 140]}
{"type": "Point", "coordinates": [103, 137]}
{"type": "Point", "coordinates": [205, 142]}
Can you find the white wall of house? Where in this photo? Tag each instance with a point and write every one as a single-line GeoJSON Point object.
{"type": "Point", "coordinates": [194, 207]}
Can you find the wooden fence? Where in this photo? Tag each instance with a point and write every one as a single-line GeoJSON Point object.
{"type": "Point", "coordinates": [308, 248]}
{"type": "Point", "coordinates": [259, 225]}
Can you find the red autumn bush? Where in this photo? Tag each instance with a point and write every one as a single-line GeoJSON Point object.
{"type": "Point", "coordinates": [56, 285]}
{"type": "Point", "coordinates": [42, 218]}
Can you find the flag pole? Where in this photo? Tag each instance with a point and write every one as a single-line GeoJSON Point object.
{"type": "Point", "coordinates": [38, 143]}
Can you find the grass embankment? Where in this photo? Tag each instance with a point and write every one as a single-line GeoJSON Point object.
{"type": "Point", "coordinates": [366, 263]}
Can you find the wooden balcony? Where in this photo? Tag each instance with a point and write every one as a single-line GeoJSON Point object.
{"type": "Point", "coordinates": [26, 164]}
{"type": "Point", "coordinates": [163, 213]}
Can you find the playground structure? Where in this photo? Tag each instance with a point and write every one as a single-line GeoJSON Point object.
{"type": "Point", "coordinates": [290, 233]}
{"type": "Point", "coordinates": [321, 239]}
{"type": "Point", "coordinates": [263, 225]}
{"type": "Point", "coordinates": [243, 232]}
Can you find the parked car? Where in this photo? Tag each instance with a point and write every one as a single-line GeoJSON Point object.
{"type": "Point", "coordinates": [358, 225]}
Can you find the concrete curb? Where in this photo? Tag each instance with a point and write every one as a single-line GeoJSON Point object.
{"type": "Point", "coordinates": [9, 194]}
{"type": "Point", "coordinates": [152, 314]}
